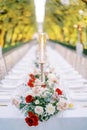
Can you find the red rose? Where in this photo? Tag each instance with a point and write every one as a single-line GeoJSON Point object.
{"type": "Point", "coordinates": [43, 85]}
{"type": "Point", "coordinates": [32, 120]}
{"type": "Point", "coordinates": [29, 121]}
{"type": "Point", "coordinates": [59, 91]}
{"type": "Point", "coordinates": [30, 83]}
{"type": "Point", "coordinates": [34, 117]}
{"type": "Point", "coordinates": [29, 98]}
{"type": "Point", "coordinates": [32, 77]}
{"type": "Point", "coordinates": [30, 113]}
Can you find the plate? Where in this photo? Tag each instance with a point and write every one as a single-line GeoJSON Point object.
{"type": "Point", "coordinates": [4, 86]}
{"type": "Point", "coordinates": [5, 98]}
{"type": "Point", "coordinates": [77, 86]}
{"type": "Point", "coordinates": [79, 98]}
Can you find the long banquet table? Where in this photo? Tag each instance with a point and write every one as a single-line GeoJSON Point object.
{"type": "Point", "coordinates": [74, 85]}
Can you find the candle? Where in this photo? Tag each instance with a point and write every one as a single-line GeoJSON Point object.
{"type": "Point", "coordinates": [42, 45]}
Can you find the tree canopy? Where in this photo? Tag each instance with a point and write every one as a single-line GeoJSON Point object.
{"type": "Point", "coordinates": [62, 22]}
{"type": "Point", "coordinates": [17, 21]}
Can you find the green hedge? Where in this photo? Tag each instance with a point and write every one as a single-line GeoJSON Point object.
{"type": "Point", "coordinates": [69, 46]}
{"type": "Point", "coordinates": [6, 49]}
{"type": "Point", "coordinates": [85, 51]}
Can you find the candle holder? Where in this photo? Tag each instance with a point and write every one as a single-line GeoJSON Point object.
{"type": "Point", "coordinates": [42, 72]}
{"type": "Point", "coordinates": [42, 46]}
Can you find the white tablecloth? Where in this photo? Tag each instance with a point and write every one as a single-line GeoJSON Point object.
{"type": "Point", "coordinates": [72, 119]}
{"type": "Point", "coordinates": [12, 119]}
{"type": "Point", "coordinates": [52, 124]}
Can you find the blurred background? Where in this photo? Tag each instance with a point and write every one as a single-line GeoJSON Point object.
{"type": "Point", "coordinates": [65, 21]}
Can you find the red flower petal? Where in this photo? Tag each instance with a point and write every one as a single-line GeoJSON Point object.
{"type": "Point", "coordinates": [32, 120]}
{"type": "Point", "coordinates": [26, 119]}
{"type": "Point", "coordinates": [43, 85]}
{"type": "Point", "coordinates": [30, 83]}
{"type": "Point", "coordinates": [32, 77]}
{"type": "Point", "coordinates": [30, 114]}
{"type": "Point", "coordinates": [29, 121]}
{"type": "Point", "coordinates": [59, 91]}
{"type": "Point", "coordinates": [29, 98]}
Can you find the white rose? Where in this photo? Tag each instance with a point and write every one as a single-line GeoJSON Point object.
{"type": "Point", "coordinates": [37, 91]}
{"type": "Point", "coordinates": [62, 104]}
{"type": "Point", "coordinates": [39, 110]}
{"type": "Point", "coordinates": [50, 109]}
{"type": "Point", "coordinates": [52, 78]}
{"type": "Point", "coordinates": [16, 102]}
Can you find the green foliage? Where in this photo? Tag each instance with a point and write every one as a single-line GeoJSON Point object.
{"type": "Point", "coordinates": [85, 51]}
{"type": "Point", "coordinates": [8, 48]}
{"type": "Point", "coordinates": [17, 21]}
{"type": "Point", "coordinates": [60, 21]}
{"type": "Point", "coordinates": [72, 47]}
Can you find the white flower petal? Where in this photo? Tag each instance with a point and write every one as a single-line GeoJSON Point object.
{"type": "Point", "coordinates": [39, 110]}
{"type": "Point", "coordinates": [50, 109]}
{"type": "Point", "coordinates": [62, 104]}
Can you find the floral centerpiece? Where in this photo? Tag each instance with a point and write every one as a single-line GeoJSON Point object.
{"type": "Point", "coordinates": [42, 100]}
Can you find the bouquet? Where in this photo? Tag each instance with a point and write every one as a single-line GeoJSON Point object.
{"type": "Point", "coordinates": [42, 99]}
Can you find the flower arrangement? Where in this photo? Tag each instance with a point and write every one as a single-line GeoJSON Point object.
{"type": "Point", "coordinates": [42, 100]}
